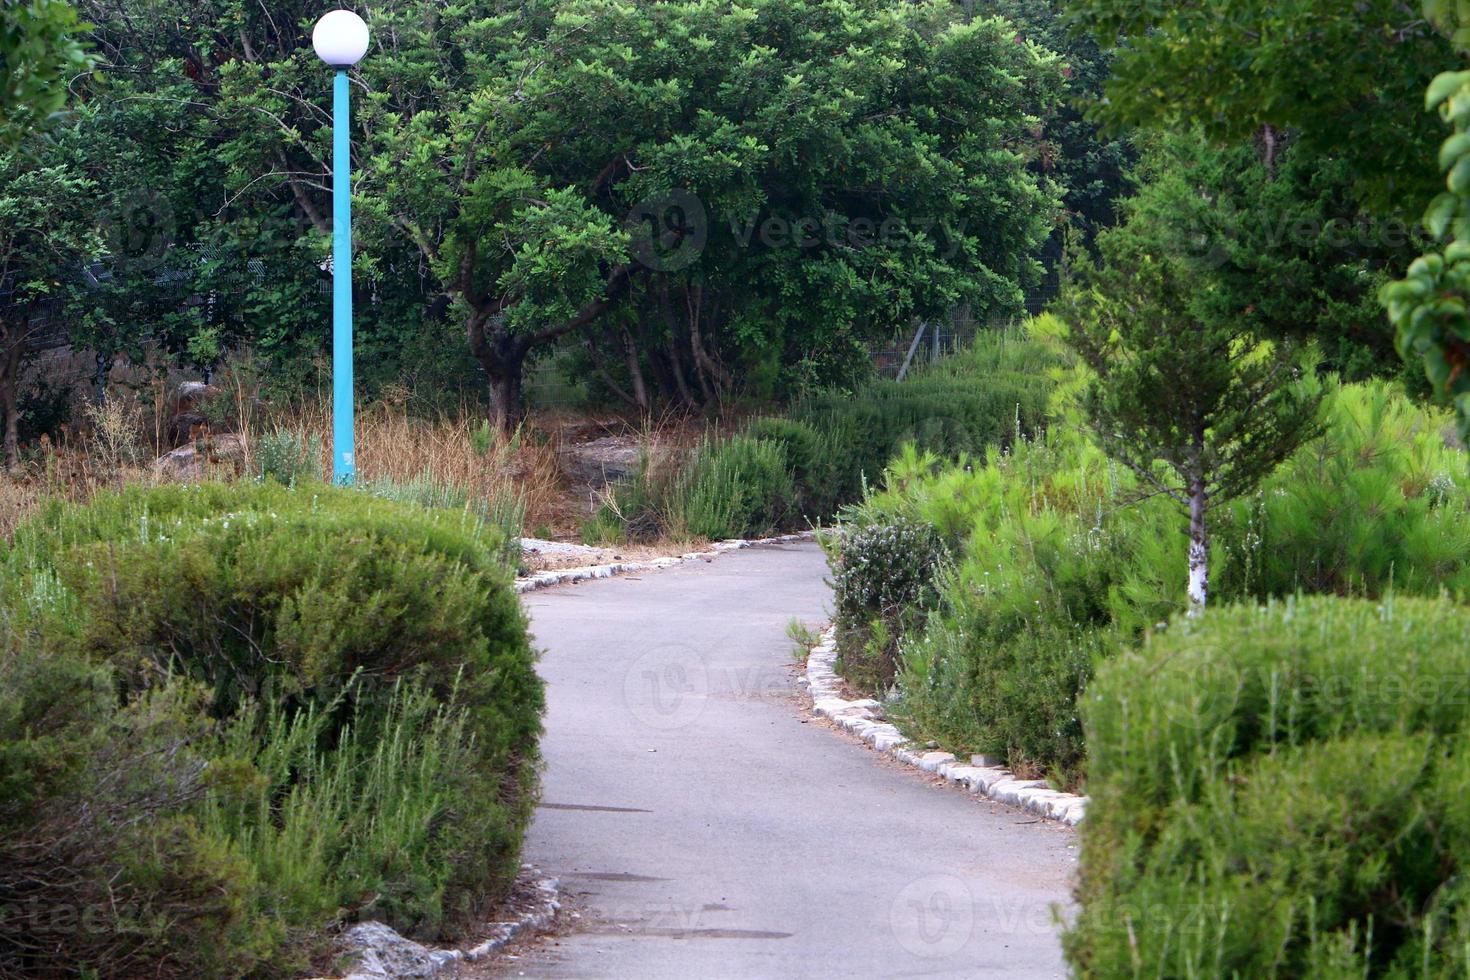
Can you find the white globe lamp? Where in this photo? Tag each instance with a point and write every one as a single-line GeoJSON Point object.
{"type": "Point", "coordinates": [340, 38]}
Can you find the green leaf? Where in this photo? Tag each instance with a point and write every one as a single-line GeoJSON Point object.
{"type": "Point", "coordinates": [1444, 85]}
{"type": "Point", "coordinates": [1453, 149]}
{"type": "Point", "coordinates": [1459, 178]}
{"type": "Point", "coordinates": [1440, 213]}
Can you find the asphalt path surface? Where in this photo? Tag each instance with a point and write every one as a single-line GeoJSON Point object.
{"type": "Point", "coordinates": [703, 824]}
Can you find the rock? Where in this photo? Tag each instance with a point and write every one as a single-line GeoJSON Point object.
{"type": "Point", "coordinates": [378, 952]}
{"type": "Point", "coordinates": [186, 410]}
{"type": "Point", "coordinates": [191, 461]}
{"type": "Point", "coordinates": [539, 546]}
{"type": "Point", "coordinates": [601, 461]}
{"type": "Point", "coordinates": [931, 761]}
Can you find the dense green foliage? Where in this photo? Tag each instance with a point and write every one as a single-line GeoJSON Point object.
{"type": "Point", "coordinates": [781, 474]}
{"type": "Point", "coordinates": [1282, 251]}
{"type": "Point", "coordinates": [732, 488]}
{"type": "Point", "coordinates": [1089, 165]}
{"type": "Point", "coordinates": [1183, 391]}
{"type": "Point", "coordinates": [883, 577]}
{"type": "Point", "coordinates": [1061, 560]}
{"type": "Point", "coordinates": [740, 487]}
{"type": "Point", "coordinates": [1344, 80]}
{"type": "Point", "coordinates": [313, 706]}
{"type": "Point", "coordinates": [502, 511]}
{"type": "Point", "coordinates": [815, 459]}
{"type": "Point", "coordinates": [39, 51]}
{"type": "Point", "coordinates": [980, 397]}
{"type": "Point", "coordinates": [693, 200]}
{"type": "Point", "coordinates": [1281, 792]}
{"type": "Point", "coordinates": [42, 226]}
{"type": "Point", "coordinates": [788, 184]}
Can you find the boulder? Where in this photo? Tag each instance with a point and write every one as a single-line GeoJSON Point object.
{"type": "Point", "coordinates": [601, 461]}
{"type": "Point", "coordinates": [192, 460]}
{"type": "Point", "coordinates": [186, 410]}
{"type": "Point", "coordinates": [379, 953]}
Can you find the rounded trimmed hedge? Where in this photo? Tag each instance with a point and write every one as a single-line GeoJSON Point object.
{"type": "Point", "coordinates": [313, 706]}
{"type": "Point", "coordinates": [1281, 791]}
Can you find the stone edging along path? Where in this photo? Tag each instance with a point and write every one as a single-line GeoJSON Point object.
{"type": "Point", "coordinates": [377, 952]}
{"type": "Point", "coordinates": [864, 718]}
{"type": "Point", "coordinates": [566, 576]}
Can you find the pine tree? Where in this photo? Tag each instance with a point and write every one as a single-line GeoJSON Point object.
{"type": "Point", "coordinates": [1183, 393]}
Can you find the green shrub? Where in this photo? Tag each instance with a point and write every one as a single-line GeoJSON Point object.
{"type": "Point", "coordinates": [1380, 499]}
{"type": "Point", "coordinates": [360, 827]}
{"type": "Point", "coordinates": [1062, 559]}
{"type": "Point", "coordinates": [735, 488]}
{"type": "Point", "coordinates": [781, 474]}
{"type": "Point", "coordinates": [980, 397]}
{"type": "Point", "coordinates": [883, 578]}
{"type": "Point", "coordinates": [336, 691]}
{"type": "Point", "coordinates": [636, 508]}
{"type": "Point", "coordinates": [1281, 792]}
{"type": "Point", "coordinates": [502, 511]}
{"type": "Point", "coordinates": [102, 867]}
{"type": "Point", "coordinates": [738, 488]}
{"type": "Point", "coordinates": [814, 459]}
{"type": "Point", "coordinates": [287, 458]}
{"type": "Point", "coordinates": [1057, 563]}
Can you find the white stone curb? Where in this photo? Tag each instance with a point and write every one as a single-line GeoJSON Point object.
{"type": "Point", "coordinates": [864, 718]}
{"type": "Point", "coordinates": [567, 576]}
{"type": "Point", "coordinates": [382, 954]}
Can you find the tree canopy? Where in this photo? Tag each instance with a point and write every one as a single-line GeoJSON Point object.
{"type": "Point", "coordinates": [700, 187]}
{"type": "Point", "coordinates": [40, 49]}
{"type": "Point", "coordinates": [1345, 77]}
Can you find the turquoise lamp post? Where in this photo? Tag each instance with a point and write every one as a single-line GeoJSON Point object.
{"type": "Point", "coordinates": [341, 39]}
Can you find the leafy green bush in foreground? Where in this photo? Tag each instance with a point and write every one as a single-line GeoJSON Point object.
{"type": "Point", "coordinates": [234, 715]}
{"type": "Point", "coordinates": [1281, 792]}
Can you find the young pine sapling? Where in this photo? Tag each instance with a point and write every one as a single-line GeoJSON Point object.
{"type": "Point", "coordinates": [1183, 394]}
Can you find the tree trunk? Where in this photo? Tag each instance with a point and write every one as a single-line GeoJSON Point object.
{"type": "Point", "coordinates": [719, 379]}
{"type": "Point", "coordinates": [503, 354]}
{"type": "Point", "coordinates": [505, 392]}
{"type": "Point", "coordinates": [1270, 141]}
{"type": "Point", "coordinates": [10, 398]}
{"type": "Point", "coordinates": [504, 359]}
{"type": "Point", "coordinates": [635, 372]}
{"type": "Point", "coordinates": [99, 379]}
{"type": "Point", "coordinates": [1199, 545]}
{"type": "Point", "coordinates": [676, 369]}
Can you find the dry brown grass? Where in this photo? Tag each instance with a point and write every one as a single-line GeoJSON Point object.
{"type": "Point", "coordinates": [454, 450]}
{"type": "Point", "coordinates": [117, 442]}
